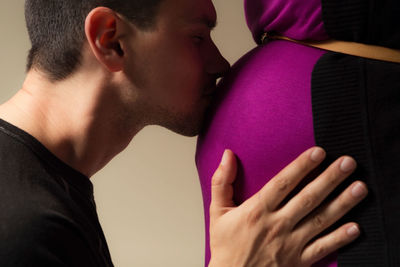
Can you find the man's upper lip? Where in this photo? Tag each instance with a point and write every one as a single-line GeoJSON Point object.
{"type": "Point", "coordinates": [210, 88]}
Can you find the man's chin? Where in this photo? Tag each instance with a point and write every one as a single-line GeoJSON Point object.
{"type": "Point", "coordinates": [189, 128]}
{"type": "Point", "coordinates": [186, 131]}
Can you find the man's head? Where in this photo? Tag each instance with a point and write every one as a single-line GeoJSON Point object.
{"type": "Point", "coordinates": [57, 33]}
{"type": "Point", "coordinates": [158, 54]}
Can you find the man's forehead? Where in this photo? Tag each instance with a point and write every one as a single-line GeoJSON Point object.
{"type": "Point", "coordinates": [194, 11]}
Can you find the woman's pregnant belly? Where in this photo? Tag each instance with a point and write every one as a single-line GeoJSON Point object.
{"type": "Point", "coordinates": [263, 113]}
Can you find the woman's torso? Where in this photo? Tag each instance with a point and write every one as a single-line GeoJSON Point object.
{"type": "Point", "coordinates": [281, 98]}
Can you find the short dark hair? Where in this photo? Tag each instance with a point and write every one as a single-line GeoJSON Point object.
{"type": "Point", "coordinates": [57, 33]}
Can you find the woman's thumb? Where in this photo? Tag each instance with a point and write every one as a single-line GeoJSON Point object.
{"type": "Point", "coordinates": [221, 186]}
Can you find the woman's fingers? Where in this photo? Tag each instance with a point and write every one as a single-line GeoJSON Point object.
{"type": "Point", "coordinates": [221, 186]}
{"type": "Point", "coordinates": [314, 193]}
{"type": "Point", "coordinates": [328, 214]}
{"type": "Point", "coordinates": [273, 193]}
{"type": "Point", "coordinates": [330, 243]}
{"type": "Point", "coordinates": [264, 234]}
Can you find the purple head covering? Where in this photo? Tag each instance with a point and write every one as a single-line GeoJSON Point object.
{"type": "Point", "coordinates": [296, 19]}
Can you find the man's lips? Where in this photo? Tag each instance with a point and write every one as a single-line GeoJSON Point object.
{"type": "Point", "coordinates": [210, 89]}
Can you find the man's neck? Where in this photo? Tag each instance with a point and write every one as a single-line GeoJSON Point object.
{"type": "Point", "coordinates": [75, 119]}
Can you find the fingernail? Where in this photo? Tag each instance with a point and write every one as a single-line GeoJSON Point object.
{"type": "Point", "coordinates": [353, 231]}
{"type": "Point", "coordinates": [318, 154]}
{"type": "Point", "coordinates": [224, 160]}
{"type": "Point", "coordinates": [358, 190]}
{"type": "Point", "coordinates": [348, 164]}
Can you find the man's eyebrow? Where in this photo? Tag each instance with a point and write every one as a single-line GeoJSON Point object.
{"type": "Point", "coordinates": [210, 23]}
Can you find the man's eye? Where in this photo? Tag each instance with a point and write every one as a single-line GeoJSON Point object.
{"type": "Point", "coordinates": [198, 39]}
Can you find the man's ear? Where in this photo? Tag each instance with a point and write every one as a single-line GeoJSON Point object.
{"type": "Point", "coordinates": [103, 35]}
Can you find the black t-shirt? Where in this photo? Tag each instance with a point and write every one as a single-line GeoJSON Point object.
{"type": "Point", "coordinates": [47, 211]}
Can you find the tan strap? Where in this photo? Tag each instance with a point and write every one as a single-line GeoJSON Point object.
{"type": "Point", "coordinates": [349, 48]}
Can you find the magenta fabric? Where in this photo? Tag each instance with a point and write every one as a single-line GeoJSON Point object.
{"type": "Point", "coordinates": [263, 109]}
{"type": "Point", "coordinates": [296, 19]}
{"type": "Point", "coordinates": [264, 115]}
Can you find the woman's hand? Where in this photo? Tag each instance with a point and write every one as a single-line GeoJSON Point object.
{"type": "Point", "coordinates": [264, 232]}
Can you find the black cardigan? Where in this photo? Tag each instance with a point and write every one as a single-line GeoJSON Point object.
{"type": "Point", "coordinates": [356, 109]}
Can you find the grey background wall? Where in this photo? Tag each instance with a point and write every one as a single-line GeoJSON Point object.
{"type": "Point", "coordinates": [148, 198]}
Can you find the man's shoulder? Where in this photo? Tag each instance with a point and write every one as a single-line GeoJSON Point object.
{"type": "Point", "coordinates": [32, 221]}
{"type": "Point", "coordinates": [38, 221]}
{"type": "Point", "coordinates": [33, 235]}
{"type": "Point", "coordinates": [27, 186]}
{"type": "Point", "coordinates": [44, 220]}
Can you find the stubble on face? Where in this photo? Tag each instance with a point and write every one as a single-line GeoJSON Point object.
{"type": "Point", "coordinates": [174, 68]}
{"type": "Point", "coordinates": [181, 123]}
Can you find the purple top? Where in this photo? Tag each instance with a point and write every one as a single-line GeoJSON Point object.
{"type": "Point", "coordinates": [264, 112]}
{"type": "Point", "coordinates": [296, 19]}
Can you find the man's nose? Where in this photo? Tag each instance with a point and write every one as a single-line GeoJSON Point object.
{"type": "Point", "coordinates": [218, 66]}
